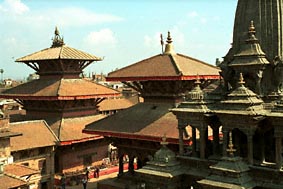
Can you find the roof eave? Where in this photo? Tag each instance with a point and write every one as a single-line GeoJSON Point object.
{"type": "Point", "coordinates": [28, 97]}
{"type": "Point", "coordinates": [163, 78]}
{"type": "Point", "coordinates": [130, 136]}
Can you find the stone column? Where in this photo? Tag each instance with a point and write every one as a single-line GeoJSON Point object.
{"type": "Point", "coordinates": [203, 137]}
{"type": "Point", "coordinates": [131, 165]}
{"type": "Point", "coordinates": [194, 140]}
{"type": "Point", "coordinates": [215, 140]}
{"type": "Point", "coordinates": [278, 151]}
{"type": "Point", "coordinates": [121, 165]}
{"type": "Point", "coordinates": [250, 149]}
{"type": "Point", "coordinates": [225, 138]}
{"type": "Point", "coordinates": [181, 127]}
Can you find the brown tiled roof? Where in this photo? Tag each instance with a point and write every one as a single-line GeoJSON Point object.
{"type": "Point", "coordinates": [63, 52]}
{"type": "Point", "coordinates": [69, 130]}
{"type": "Point", "coordinates": [19, 170]}
{"type": "Point", "coordinates": [146, 121]}
{"type": "Point", "coordinates": [7, 133]}
{"type": "Point", "coordinates": [35, 134]}
{"type": "Point", "coordinates": [62, 89]}
{"type": "Point", "coordinates": [114, 104]}
{"type": "Point", "coordinates": [7, 182]}
{"type": "Point", "coordinates": [166, 67]}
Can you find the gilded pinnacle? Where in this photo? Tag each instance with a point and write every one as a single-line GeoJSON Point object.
{"type": "Point", "coordinates": [56, 31]}
{"type": "Point", "coordinates": [169, 46]}
{"type": "Point", "coordinates": [230, 149]}
{"type": "Point", "coordinates": [58, 41]}
{"type": "Point", "coordinates": [241, 80]}
{"type": "Point", "coordinates": [169, 39]}
{"type": "Point", "coordinates": [252, 28]}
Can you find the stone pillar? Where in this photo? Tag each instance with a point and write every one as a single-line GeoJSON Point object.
{"type": "Point", "coordinates": [181, 127]}
{"type": "Point", "coordinates": [131, 165]}
{"type": "Point", "coordinates": [215, 140]}
{"type": "Point", "coordinates": [194, 140]}
{"type": "Point", "coordinates": [278, 151]}
{"type": "Point", "coordinates": [262, 148]}
{"type": "Point", "coordinates": [121, 165]}
{"type": "Point", "coordinates": [225, 138]}
{"type": "Point", "coordinates": [203, 137]}
{"type": "Point", "coordinates": [250, 149]}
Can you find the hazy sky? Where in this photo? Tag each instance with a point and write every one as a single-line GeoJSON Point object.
{"type": "Point", "coordinates": [121, 31]}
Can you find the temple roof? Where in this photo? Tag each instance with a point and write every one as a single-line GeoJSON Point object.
{"type": "Point", "coordinates": [29, 139]}
{"type": "Point", "coordinates": [69, 130]}
{"type": "Point", "coordinates": [242, 101]}
{"type": "Point", "coordinates": [59, 89]}
{"type": "Point", "coordinates": [250, 53]}
{"type": "Point", "coordinates": [114, 104]}
{"type": "Point", "coordinates": [10, 182]}
{"type": "Point", "coordinates": [58, 50]}
{"type": "Point", "coordinates": [19, 170]}
{"type": "Point", "coordinates": [145, 121]}
{"type": "Point", "coordinates": [55, 53]}
{"type": "Point", "coordinates": [166, 66]}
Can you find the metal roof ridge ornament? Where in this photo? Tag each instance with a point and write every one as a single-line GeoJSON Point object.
{"type": "Point", "coordinates": [169, 46]}
{"type": "Point", "coordinates": [58, 41]}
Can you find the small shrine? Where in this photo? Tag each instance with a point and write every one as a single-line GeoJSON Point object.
{"type": "Point", "coordinates": [163, 171]}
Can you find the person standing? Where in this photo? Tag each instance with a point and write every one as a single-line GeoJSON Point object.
{"type": "Point", "coordinates": [63, 181]}
{"type": "Point", "coordinates": [84, 181]}
{"type": "Point", "coordinates": [97, 172]}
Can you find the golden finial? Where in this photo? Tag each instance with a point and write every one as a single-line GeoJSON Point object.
{"type": "Point", "coordinates": [163, 141]}
{"type": "Point", "coordinates": [252, 27]}
{"type": "Point", "coordinates": [169, 46]}
{"type": "Point", "coordinates": [230, 149]}
{"type": "Point", "coordinates": [57, 40]}
{"type": "Point", "coordinates": [169, 39]}
{"type": "Point", "coordinates": [241, 80]}
{"type": "Point", "coordinates": [56, 31]}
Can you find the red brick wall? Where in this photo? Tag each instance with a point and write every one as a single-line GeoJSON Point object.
{"type": "Point", "coordinates": [71, 156]}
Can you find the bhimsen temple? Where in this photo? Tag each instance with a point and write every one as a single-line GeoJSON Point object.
{"type": "Point", "coordinates": [65, 101]}
{"type": "Point", "coordinates": [235, 130]}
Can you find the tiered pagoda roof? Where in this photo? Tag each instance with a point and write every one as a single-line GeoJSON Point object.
{"type": "Point", "coordinates": [61, 96]}
{"type": "Point", "coordinates": [62, 89]}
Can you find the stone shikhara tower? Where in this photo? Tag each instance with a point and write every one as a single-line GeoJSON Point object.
{"type": "Point", "coordinates": [267, 20]}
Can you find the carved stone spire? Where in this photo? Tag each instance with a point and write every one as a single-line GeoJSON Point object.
{"type": "Point", "coordinates": [58, 41]}
{"type": "Point", "coordinates": [267, 17]}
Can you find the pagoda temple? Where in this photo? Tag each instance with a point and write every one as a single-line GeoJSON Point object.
{"type": "Point", "coordinates": [163, 81]}
{"type": "Point", "coordinates": [66, 101]}
{"type": "Point", "coordinates": [244, 112]}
